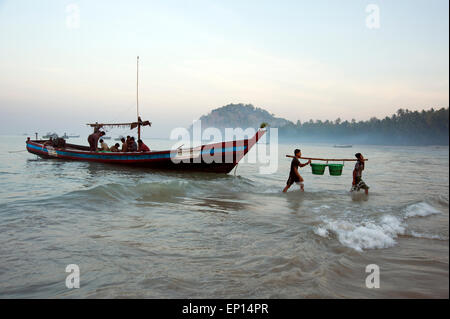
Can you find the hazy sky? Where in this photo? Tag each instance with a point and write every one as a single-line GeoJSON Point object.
{"type": "Point", "coordinates": [66, 63]}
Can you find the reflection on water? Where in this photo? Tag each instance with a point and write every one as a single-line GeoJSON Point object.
{"type": "Point", "coordinates": [295, 200]}
{"type": "Point", "coordinates": [140, 233]}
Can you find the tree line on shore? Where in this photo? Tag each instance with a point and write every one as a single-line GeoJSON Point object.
{"type": "Point", "coordinates": [405, 127]}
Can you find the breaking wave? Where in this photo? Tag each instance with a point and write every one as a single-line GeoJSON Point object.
{"type": "Point", "coordinates": [421, 209]}
{"type": "Point", "coordinates": [372, 234]}
{"type": "Point", "coordinates": [364, 235]}
{"type": "Point", "coordinates": [426, 236]}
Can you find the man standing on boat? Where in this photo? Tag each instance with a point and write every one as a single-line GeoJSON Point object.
{"type": "Point", "coordinates": [294, 175]}
{"type": "Point", "coordinates": [93, 140]}
{"type": "Point", "coordinates": [358, 183]}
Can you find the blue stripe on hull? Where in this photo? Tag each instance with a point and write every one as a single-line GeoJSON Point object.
{"type": "Point", "coordinates": [107, 156]}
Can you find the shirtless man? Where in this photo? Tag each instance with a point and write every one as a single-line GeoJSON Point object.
{"type": "Point", "coordinates": [124, 145]}
{"type": "Point", "coordinates": [114, 148]}
{"type": "Point", "coordinates": [103, 145]}
{"type": "Point", "coordinates": [93, 140]}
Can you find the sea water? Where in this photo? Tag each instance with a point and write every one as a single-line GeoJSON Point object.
{"type": "Point", "coordinates": [137, 233]}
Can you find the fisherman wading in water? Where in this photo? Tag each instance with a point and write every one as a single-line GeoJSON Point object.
{"type": "Point", "coordinates": [294, 175]}
{"type": "Point", "coordinates": [358, 183]}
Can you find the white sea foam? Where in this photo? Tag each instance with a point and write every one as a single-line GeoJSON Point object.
{"type": "Point", "coordinates": [421, 209]}
{"type": "Point", "coordinates": [366, 235]}
{"type": "Point", "coordinates": [323, 232]}
{"type": "Point", "coordinates": [321, 207]}
{"type": "Point", "coordinates": [426, 236]}
{"type": "Point", "coordinates": [377, 234]}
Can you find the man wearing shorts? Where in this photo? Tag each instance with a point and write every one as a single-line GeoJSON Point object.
{"type": "Point", "coordinates": [294, 175]}
{"type": "Point", "coordinates": [358, 183]}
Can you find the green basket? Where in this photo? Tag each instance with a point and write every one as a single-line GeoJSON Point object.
{"type": "Point", "coordinates": [318, 169]}
{"type": "Point", "coordinates": [335, 169]}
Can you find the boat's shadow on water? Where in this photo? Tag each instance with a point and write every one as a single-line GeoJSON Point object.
{"type": "Point", "coordinates": [194, 191]}
{"type": "Point", "coordinates": [96, 169]}
{"type": "Point", "coordinates": [100, 169]}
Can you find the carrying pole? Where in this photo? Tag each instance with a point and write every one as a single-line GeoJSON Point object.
{"type": "Point", "coordinates": [328, 159]}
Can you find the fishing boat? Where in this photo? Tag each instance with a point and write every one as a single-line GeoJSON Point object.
{"type": "Point", "coordinates": [219, 157]}
{"type": "Point", "coordinates": [343, 146]}
{"type": "Point", "coordinates": [187, 159]}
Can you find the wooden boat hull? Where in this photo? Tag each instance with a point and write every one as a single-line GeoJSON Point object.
{"type": "Point", "coordinates": [217, 158]}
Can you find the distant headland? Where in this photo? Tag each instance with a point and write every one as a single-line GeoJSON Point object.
{"type": "Point", "coordinates": [426, 127]}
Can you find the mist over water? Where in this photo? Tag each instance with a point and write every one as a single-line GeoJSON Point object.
{"type": "Point", "coordinates": [137, 233]}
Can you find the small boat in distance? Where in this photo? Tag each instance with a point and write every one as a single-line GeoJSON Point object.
{"type": "Point", "coordinates": [50, 135]}
{"type": "Point", "coordinates": [65, 136]}
{"type": "Point", "coordinates": [343, 146]}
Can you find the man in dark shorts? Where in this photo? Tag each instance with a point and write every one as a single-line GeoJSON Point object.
{"type": "Point", "coordinates": [358, 183]}
{"type": "Point", "coordinates": [294, 175]}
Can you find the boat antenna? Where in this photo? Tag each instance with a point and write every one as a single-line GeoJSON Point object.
{"type": "Point", "coordinates": [137, 98]}
{"type": "Point", "coordinates": [137, 87]}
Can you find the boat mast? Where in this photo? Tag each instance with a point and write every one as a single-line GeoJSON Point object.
{"type": "Point", "coordinates": [131, 125]}
{"type": "Point", "coordinates": [137, 98]}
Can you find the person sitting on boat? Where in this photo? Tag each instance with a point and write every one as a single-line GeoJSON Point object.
{"type": "Point", "coordinates": [59, 142]}
{"type": "Point", "coordinates": [49, 142]}
{"type": "Point", "coordinates": [143, 147]}
{"type": "Point", "coordinates": [103, 146]}
{"type": "Point", "coordinates": [358, 183]}
{"type": "Point", "coordinates": [132, 147]}
{"type": "Point", "coordinates": [114, 148]}
{"type": "Point", "coordinates": [294, 175]}
{"type": "Point", "coordinates": [93, 140]}
{"type": "Point", "coordinates": [124, 145]}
